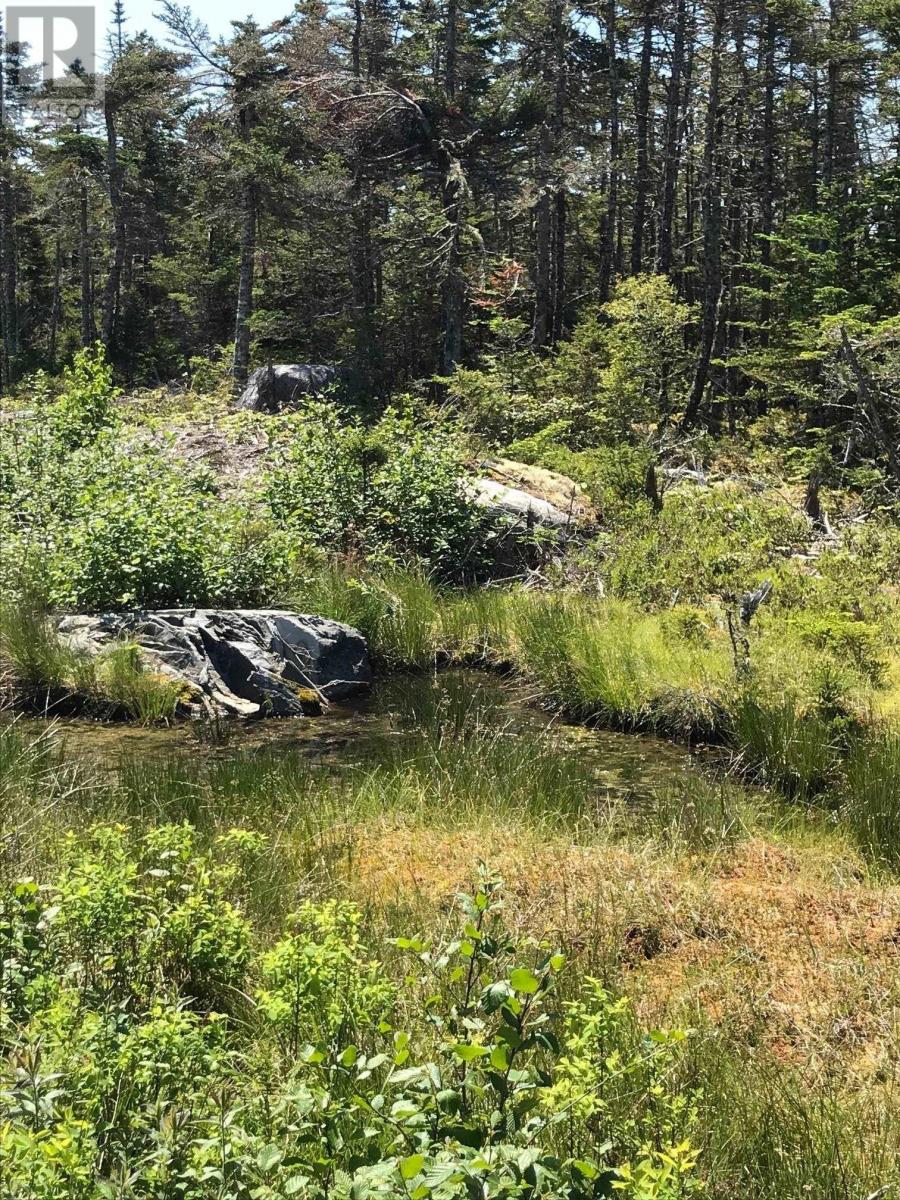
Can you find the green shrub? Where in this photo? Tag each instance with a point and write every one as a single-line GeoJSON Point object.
{"type": "Point", "coordinates": [394, 490]}
{"type": "Point", "coordinates": [318, 985]}
{"type": "Point", "coordinates": [845, 639]}
{"type": "Point", "coordinates": [455, 1082]}
{"type": "Point", "coordinates": [86, 406]}
{"type": "Point", "coordinates": [612, 476]}
{"type": "Point", "coordinates": [123, 527]}
{"type": "Point", "coordinates": [714, 542]}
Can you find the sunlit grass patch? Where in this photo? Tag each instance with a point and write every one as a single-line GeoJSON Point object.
{"type": "Point", "coordinates": [39, 668]}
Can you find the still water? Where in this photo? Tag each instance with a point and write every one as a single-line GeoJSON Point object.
{"type": "Point", "coordinates": [464, 723]}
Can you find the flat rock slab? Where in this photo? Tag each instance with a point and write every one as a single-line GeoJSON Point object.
{"type": "Point", "coordinates": [527, 498]}
{"type": "Point", "coordinates": [560, 492]}
{"type": "Point", "coordinates": [252, 662]}
{"type": "Point", "coordinates": [519, 507]}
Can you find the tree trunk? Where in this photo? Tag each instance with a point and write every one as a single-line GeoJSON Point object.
{"type": "Point", "coordinates": [9, 308]}
{"type": "Point", "coordinates": [672, 142]}
{"type": "Point", "coordinates": [543, 251]}
{"type": "Point", "coordinates": [550, 209]}
{"type": "Point", "coordinates": [610, 216]}
{"type": "Point", "coordinates": [356, 39]}
{"type": "Point", "coordinates": [642, 125]}
{"type": "Point", "coordinates": [559, 266]}
{"type": "Point", "coordinates": [8, 305]}
{"type": "Point", "coordinates": [450, 51]}
{"type": "Point", "coordinates": [362, 276]}
{"type": "Point", "coordinates": [454, 288]}
{"type": "Point", "coordinates": [55, 306]}
{"type": "Point", "coordinates": [9, 267]}
{"type": "Point", "coordinates": [712, 224]}
{"type": "Point", "coordinates": [114, 278]}
{"type": "Point", "coordinates": [833, 78]}
{"type": "Point", "coordinates": [767, 207]}
{"type": "Point", "coordinates": [88, 328]}
{"type": "Point", "coordinates": [244, 310]}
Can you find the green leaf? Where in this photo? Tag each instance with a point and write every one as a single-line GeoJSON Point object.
{"type": "Point", "coordinates": [500, 1058]}
{"type": "Point", "coordinates": [588, 1169]}
{"type": "Point", "coordinates": [523, 980]}
{"type": "Point", "coordinates": [469, 1052]}
{"type": "Point", "coordinates": [269, 1158]}
{"type": "Point", "coordinates": [411, 1166]}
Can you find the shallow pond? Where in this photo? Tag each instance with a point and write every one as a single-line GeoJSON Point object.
{"type": "Point", "coordinates": [450, 721]}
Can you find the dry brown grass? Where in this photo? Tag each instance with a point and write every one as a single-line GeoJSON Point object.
{"type": "Point", "coordinates": [790, 946]}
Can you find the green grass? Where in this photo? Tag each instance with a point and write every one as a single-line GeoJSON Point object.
{"type": "Point", "coordinates": [453, 767]}
{"type": "Point", "coordinates": [42, 672]}
{"type": "Point", "coordinates": [871, 794]}
{"type": "Point", "coordinates": [608, 662]}
{"type": "Point", "coordinates": [773, 1132]}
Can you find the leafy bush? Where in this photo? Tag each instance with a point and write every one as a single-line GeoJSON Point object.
{"type": "Point", "coordinates": [456, 1084]}
{"type": "Point", "coordinates": [392, 490]}
{"type": "Point", "coordinates": [845, 639]}
{"type": "Point", "coordinates": [317, 985]}
{"type": "Point", "coordinates": [86, 405]}
{"type": "Point", "coordinates": [613, 476]}
{"type": "Point", "coordinates": [110, 525]}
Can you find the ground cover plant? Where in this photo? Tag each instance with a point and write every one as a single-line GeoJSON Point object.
{"type": "Point", "coordinates": [262, 975]}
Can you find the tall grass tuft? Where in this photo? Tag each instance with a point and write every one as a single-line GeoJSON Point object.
{"type": "Point", "coordinates": [871, 787]}
{"type": "Point", "coordinates": [145, 696]}
{"type": "Point", "coordinates": [397, 611]}
{"type": "Point", "coordinates": [34, 658]}
{"type": "Point", "coordinates": [40, 670]}
{"type": "Point", "coordinates": [795, 752]}
{"type": "Point", "coordinates": [695, 812]}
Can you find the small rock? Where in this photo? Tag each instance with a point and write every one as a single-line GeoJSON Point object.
{"type": "Point", "coordinates": [273, 388]}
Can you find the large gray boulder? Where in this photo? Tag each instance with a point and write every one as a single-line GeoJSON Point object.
{"type": "Point", "coordinates": [253, 662]}
{"type": "Point", "coordinates": [273, 388]}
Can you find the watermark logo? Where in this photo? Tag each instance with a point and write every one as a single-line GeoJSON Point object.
{"type": "Point", "coordinates": [51, 53]}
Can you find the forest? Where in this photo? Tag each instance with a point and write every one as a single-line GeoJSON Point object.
{"type": "Point", "coordinates": [450, 604]}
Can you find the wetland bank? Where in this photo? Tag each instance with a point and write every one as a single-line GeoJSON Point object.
{"type": "Point", "coordinates": [595, 891]}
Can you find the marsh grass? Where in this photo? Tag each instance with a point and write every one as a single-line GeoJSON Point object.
{"type": "Point", "coordinates": [146, 697]}
{"type": "Point", "coordinates": [454, 767]}
{"type": "Point", "coordinates": [788, 723]}
{"type": "Point", "coordinates": [698, 812]}
{"type": "Point", "coordinates": [397, 611]}
{"type": "Point", "coordinates": [796, 752]}
{"type": "Point", "coordinates": [871, 794]}
{"type": "Point", "coordinates": [774, 1133]}
{"type": "Point", "coordinates": [33, 658]}
{"type": "Point", "coordinates": [39, 792]}
{"type": "Point", "coordinates": [41, 671]}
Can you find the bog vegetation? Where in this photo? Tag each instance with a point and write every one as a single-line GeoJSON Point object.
{"type": "Point", "coordinates": [648, 250]}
